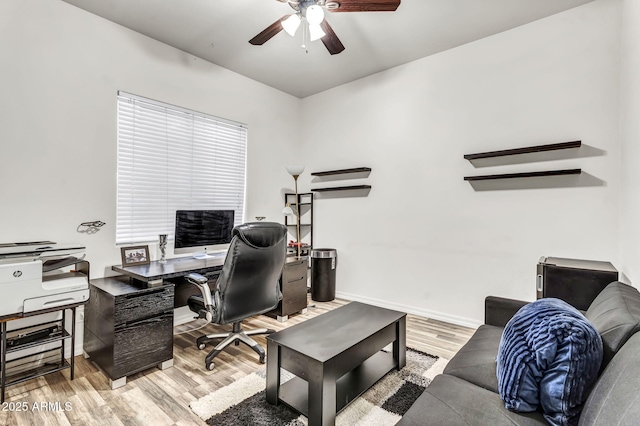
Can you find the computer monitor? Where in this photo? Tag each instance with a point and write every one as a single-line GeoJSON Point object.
{"type": "Point", "coordinates": [203, 232]}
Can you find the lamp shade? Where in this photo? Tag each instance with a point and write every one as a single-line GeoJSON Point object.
{"type": "Point", "coordinates": [291, 24]}
{"type": "Point", "coordinates": [315, 32]}
{"type": "Point", "coordinates": [314, 14]}
{"type": "Point", "coordinates": [295, 170]}
{"type": "Point", "coordinates": [288, 211]}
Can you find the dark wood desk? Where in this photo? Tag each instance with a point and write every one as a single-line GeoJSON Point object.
{"type": "Point", "coordinates": [155, 272]}
{"type": "Point", "coordinates": [174, 271]}
{"type": "Point", "coordinates": [127, 328]}
{"type": "Point", "coordinates": [129, 319]}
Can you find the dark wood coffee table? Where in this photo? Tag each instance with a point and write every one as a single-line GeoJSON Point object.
{"type": "Point", "coordinates": [336, 357]}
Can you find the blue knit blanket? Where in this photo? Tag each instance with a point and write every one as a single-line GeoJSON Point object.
{"type": "Point", "coordinates": [549, 356]}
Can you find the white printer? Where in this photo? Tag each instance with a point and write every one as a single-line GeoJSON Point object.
{"type": "Point", "coordinates": [41, 275]}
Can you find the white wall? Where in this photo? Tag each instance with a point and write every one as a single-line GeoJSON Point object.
{"type": "Point", "coordinates": [630, 141]}
{"type": "Point", "coordinates": [61, 68]}
{"type": "Point", "coordinates": [423, 240]}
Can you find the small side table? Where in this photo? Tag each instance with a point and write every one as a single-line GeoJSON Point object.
{"type": "Point", "coordinates": [52, 359]}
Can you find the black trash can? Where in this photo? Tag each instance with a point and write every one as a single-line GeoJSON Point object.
{"type": "Point", "coordinates": [323, 274]}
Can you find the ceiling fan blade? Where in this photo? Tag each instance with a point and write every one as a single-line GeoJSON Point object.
{"type": "Point", "coordinates": [330, 39]}
{"type": "Point", "coordinates": [364, 5]}
{"type": "Point", "coordinates": [268, 32]}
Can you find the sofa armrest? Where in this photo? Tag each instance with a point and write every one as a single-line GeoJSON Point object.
{"type": "Point", "coordinates": [499, 310]}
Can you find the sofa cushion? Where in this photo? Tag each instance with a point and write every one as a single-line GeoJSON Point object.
{"type": "Point", "coordinates": [550, 355]}
{"type": "Point", "coordinates": [615, 313]}
{"type": "Point", "coordinates": [475, 362]}
{"type": "Point", "coordinates": [615, 400]}
{"type": "Point", "coordinates": [451, 401]}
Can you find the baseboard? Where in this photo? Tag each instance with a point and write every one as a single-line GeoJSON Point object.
{"type": "Point", "coordinates": [184, 315]}
{"type": "Point", "coordinates": [440, 316]}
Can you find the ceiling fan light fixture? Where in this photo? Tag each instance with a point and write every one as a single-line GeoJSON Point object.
{"type": "Point", "coordinates": [315, 32]}
{"type": "Point", "coordinates": [314, 15]}
{"type": "Point", "coordinates": [291, 24]}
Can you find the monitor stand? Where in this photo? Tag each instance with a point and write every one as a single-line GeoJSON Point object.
{"type": "Point", "coordinates": [205, 255]}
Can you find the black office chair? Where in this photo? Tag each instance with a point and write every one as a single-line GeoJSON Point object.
{"type": "Point", "coordinates": [247, 286]}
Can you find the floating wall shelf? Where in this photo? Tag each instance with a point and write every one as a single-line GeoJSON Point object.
{"type": "Point", "coordinates": [342, 188]}
{"type": "Point", "coordinates": [363, 171]}
{"type": "Point", "coordinates": [343, 171]}
{"type": "Point", "coordinates": [525, 175]}
{"type": "Point", "coordinates": [527, 150]}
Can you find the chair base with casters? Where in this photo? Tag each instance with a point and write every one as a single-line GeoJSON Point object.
{"type": "Point", "coordinates": [236, 336]}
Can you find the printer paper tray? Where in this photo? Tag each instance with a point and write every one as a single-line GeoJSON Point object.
{"type": "Point", "coordinates": [56, 300]}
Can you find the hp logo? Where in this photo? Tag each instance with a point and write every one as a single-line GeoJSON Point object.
{"type": "Point", "coordinates": [17, 274]}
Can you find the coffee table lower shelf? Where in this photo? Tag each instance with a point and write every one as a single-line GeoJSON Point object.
{"type": "Point", "coordinates": [295, 392]}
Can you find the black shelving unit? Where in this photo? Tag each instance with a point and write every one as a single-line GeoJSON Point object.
{"type": "Point", "coordinates": [525, 150]}
{"type": "Point", "coordinates": [304, 205]}
{"type": "Point", "coordinates": [39, 363]}
{"type": "Point", "coordinates": [342, 171]}
{"type": "Point", "coordinates": [525, 175]}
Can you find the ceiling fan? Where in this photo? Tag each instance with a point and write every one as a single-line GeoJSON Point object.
{"type": "Point", "coordinates": [312, 11]}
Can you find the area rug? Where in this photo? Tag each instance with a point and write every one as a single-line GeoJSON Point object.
{"type": "Point", "coordinates": [243, 403]}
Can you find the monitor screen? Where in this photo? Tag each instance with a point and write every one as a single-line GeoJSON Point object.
{"type": "Point", "coordinates": [202, 231]}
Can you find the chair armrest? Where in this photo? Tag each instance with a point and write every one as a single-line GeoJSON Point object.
{"type": "Point", "coordinates": [499, 310]}
{"type": "Point", "coordinates": [200, 281]}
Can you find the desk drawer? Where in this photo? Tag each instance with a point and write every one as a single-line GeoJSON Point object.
{"type": "Point", "coordinates": [142, 344]}
{"type": "Point", "coordinates": [143, 304]}
{"type": "Point", "coordinates": [294, 288]}
{"type": "Point", "coordinates": [294, 296]}
{"type": "Point", "coordinates": [294, 271]}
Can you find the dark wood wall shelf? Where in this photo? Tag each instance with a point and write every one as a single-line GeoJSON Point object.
{"type": "Point", "coordinates": [525, 175]}
{"type": "Point", "coordinates": [342, 171]}
{"type": "Point", "coordinates": [526, 150]}
{"type": "Point", "coordinates": [342, 188]}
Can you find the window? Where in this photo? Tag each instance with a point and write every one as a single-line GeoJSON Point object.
{"type": "Point", "coordinates": [169, 159]}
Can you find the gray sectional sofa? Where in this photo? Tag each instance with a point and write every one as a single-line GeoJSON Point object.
{"type": "Point", "coordinates": [467, 391]}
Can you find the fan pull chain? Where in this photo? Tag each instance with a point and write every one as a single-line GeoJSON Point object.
{"type": "Point", "coordinates": [305, 30]}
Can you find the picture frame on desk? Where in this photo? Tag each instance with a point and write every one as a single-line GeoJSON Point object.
{"type": "Point", "coordinates": [135, 255]}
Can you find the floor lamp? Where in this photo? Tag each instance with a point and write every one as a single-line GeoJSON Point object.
{"type": "Point", "coordinates": [295, 171]}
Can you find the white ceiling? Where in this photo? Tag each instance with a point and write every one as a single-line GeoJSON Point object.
{"type": "Point", "coordinates": [218, 31]}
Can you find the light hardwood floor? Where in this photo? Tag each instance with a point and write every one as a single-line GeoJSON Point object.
{"type": "Point", "coordinates": [161, 397]}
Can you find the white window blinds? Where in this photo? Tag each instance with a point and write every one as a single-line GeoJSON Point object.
{"type": "Point", "coordinates": [171, 159]}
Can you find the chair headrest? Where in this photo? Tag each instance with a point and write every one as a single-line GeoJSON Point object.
{"type": "Point", "coordinates": [260, 234]}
